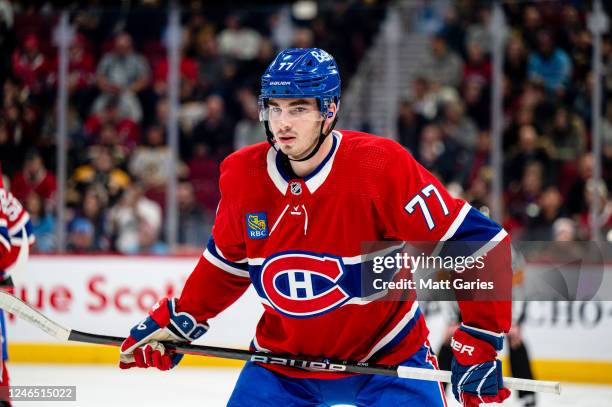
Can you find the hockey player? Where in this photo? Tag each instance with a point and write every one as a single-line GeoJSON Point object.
{"type": "Point", "coordinates": [16, 240]}
{"type": "Point", "coordinates": [293, 215]}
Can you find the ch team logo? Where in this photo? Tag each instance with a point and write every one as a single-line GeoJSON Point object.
{"type": "Point", "coordinates": [302, 284]}
{"type": "Point", "coordinates": [257, 225]}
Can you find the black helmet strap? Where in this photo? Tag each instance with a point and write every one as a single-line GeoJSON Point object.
{"type": "Point", "coordinates": [285, 158]}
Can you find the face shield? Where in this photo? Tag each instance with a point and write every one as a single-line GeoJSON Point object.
{"type": "Point", "coordinates": [292, 113]}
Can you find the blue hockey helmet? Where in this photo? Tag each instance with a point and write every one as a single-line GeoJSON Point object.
{"type": "Point", "coordinates": [302, 73]}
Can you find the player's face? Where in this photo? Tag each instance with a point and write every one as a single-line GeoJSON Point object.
{"type": "Point", "coordinates": [296, 125]}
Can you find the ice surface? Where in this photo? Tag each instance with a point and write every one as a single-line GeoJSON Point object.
{"type": "Point", "coordinates": [104, 385]}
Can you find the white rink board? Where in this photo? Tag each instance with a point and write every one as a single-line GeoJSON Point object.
{"type": "Point", "coordinates": [109, 294]}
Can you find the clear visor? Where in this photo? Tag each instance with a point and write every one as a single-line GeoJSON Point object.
{"type": "Point", "coordinates": [291, 113]}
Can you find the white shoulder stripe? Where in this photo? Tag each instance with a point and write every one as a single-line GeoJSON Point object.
{"type": "Point", "coordinates": [273, 172]}
{"type": "Point", "coordinates": [5, 242]}
{"type": "Point", "coordinates": [20, 224]}
{"type": "Point", "coordinates": [452, 229]}
{"type": "Point", "coordinates": [394, 332]}
{"type": "Point", "coordinates": [484, 331]}
{"type": "Point", "coordinates": [501, 235]}
{"type": "Point", "coordinates": [224, 266]}
{"type": "Point", "coordinates": [317, 180]}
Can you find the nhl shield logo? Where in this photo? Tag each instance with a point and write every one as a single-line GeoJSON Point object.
{"type": "Point", "coordinates": [296, 188]}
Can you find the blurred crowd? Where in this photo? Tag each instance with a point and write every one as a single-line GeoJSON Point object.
{"type": "Point", "coordinates": [445, 119]}
{"type": "Point", "coordinates": [118, 109]}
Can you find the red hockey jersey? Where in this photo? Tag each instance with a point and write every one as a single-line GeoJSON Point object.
{"type": "Point", "coordinates": [300, 242]}
{"type": "Point", "coordinates": [16, 237]}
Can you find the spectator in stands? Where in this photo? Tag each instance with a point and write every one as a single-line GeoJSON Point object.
{"type": "Point", "coordinates": [480, 31]}
{"type": "Point", "coordinates": [540, 226]}
{"type": "Point", "coordinates": [529, 151]}
{"type": "Point", "coordinates": [193, 230]}
{"type": "Point", "coordinates": [477, 66]}
{"type": "Point", "coordinates": [150, 161]}
{"type": "Point", "coordinates": [8, 149]}
{"type": "Point", "coordinates": [479, 193]}
{"type": "Point", "coordinates": [109, 138]}
{"type": "Point", "coordinates": [303, 38]}
{"type": "Point", "coordinates": [11, 131]}
{"type": "Point", "coordinates": [80, 236]}
{"type": "Point", "coordinates": [249, 130]}
{"type": "Point", "coordinates": [580, 52]}
{"type": "Point", "coordinates": [569, 26]}
{"type": "Point", "coordinates": [125, 218]}
{"type": "Point", "coordinates": [441, 64]}
{"type": "Point", "coordinates": [81, 74]}
{"type": "Point", "coordinates": [409, 126]}
{"type": "Point", "coordinates": [210, 62]}
{"type": "Point", "coordinates": [479, 158]}
{"type": "Point", "coordinates": [523, 199]}
{"type": "Point", "coordinates": [188, 74]}
{"type": "Point", "coordinates": [237, 41]}
{"type": "Point", "coordinates": [34, 177]}
{"type": "Point", "coordinates": [93, 209]}
{"type": "Point", "coordinates": [531, 25]}
{"type": "Point", "coordinates": [515, 64]}
{"type": "Point", "coordinates": [122, 73]}
{"type": "Point", "coordinates": [31, 66]}
{"type": "Point", "coordinates": [7, 42]}
{"type": "Point", "coordinates": [43, 223]}
{"type": "Point", "coordinates": [148, 241]}
{"type": "Point", "coordinates": [568, 135]}
{"type": "Point", "coordinates": [604, 219]}
{"type": "Point", "coordinates": [215, 133]}
{"type": "Point", "coordinates": [424, 100]}
{"type": "Point", "coordinates": [477, 102]}
{"type": "Point", "coordinates": [577, 191]}
{"type": "Point", "coordinates": [564, 230]}
{"type": "Point", "coordinates": [102, 173]}
{"type": "Point", "coordinates": [128, 132]}
{"type": "Point", "coordinates": [550, 64]}
{"type": "Point", "coordinates": [457, 126]}
{"type": "Point", "coordinates": [439, 154]}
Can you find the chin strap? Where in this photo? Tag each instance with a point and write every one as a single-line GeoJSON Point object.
{"type": "Point", "coordinates": [285, 159]}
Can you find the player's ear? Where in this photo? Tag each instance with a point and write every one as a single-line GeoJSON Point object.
{"type": "Point", "coordinates": [332, 109]}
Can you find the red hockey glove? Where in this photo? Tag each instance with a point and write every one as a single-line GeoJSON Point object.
{"type": "Point", "coordinates": [143, 348]}
{"type": "Point", "coordinates": [476, 372]}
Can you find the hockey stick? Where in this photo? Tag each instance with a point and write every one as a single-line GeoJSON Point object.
{"type": "Point", "coordinates": [24, 311]}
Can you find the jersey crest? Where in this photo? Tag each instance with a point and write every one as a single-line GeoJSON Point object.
{"type": "Point", "coordinates": [303, 284]}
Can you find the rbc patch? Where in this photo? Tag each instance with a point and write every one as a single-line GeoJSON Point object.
{"type": "Point", "coordinates": [257, 225]}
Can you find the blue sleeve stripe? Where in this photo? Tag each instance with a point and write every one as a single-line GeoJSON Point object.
{"type": "Point", "coordinates": [473, 234]}
{"type": "Point", "coordinates": [4, 238]}
{"type": "Point", "coordinates": [25, 232]}
{"type": "Point", "coordinates": [476, 227]}
{"type": "Point", "coordinates": [213, 255]}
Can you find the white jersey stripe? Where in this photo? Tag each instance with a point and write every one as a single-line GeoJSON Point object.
{"type": "Point", "coordinates": [394, 332]}
{"type": "Point", "coordinates": [224, 266]}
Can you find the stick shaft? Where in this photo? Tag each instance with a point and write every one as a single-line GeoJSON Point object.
{"type": "Point", "coordinates": [24, 311]}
